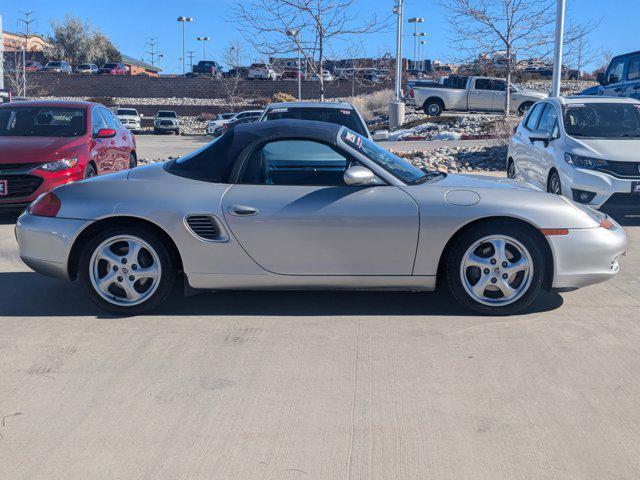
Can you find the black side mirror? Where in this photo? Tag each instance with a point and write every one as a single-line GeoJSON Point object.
{"type": "Point", "coordinates": [540, 137]}
{"type": "Point", "coordinates": [602, 79]}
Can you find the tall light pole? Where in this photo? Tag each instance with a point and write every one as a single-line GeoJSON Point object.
{"type": "Point", "coordinates": [184, 21]}
{"type": "Point", "coordinates": [557, 57]}
{"type": "Point", "coordinates": [27, 20]}
{"type": "Point", "coordinates": [152, 43]}
{"type": "Point", "coordinates": [415, 21]}
{"type": "Point", "coordinates": [295, 35]}
{"type": "Point", "coordinates": [396, 109]}
{"type": "Point", "coordinates": [204, 41]}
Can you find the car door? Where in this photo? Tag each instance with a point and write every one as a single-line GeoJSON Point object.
{"type": "Point", "coordinates": [614, 77]}
{"type": "Point", "coordinates": [100, 147]}
{"type": "Point", "coordinates": [544, 154]}
{"type": "Point", "coordinates": [120, 142]}
{"type": "Point", "coordinates": [523, 149]}
{"type": "Point", "coordinates": [632, 83]}
{"type": "Point", "coordinates": [481, 95]}
{"type": "Point", "coordinates": [293, 214]}
{"type": "Point", "coordinates": [499, 89]}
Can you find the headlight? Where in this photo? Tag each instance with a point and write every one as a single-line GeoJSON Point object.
{"type": "Point", "coordinates": [583, 162]}
{"type": "Point", "coordinates": [59, 165]}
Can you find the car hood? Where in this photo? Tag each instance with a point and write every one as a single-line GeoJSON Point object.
{"type": "Point", "coordinates": [481, 181]}
{"type": "Point", "coordinates": [531, 94]}
{"type": "Point", "coordinates": [128, 117]}
{"type": "Point", "coordinates": [35, 149]}
{"type": "Point", "coordinates": [623, 150]}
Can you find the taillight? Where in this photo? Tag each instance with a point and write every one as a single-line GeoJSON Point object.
{"type": "Point", "coordinates": [411, 93]}
{"type": "Point", "coordinates": [47, 205]}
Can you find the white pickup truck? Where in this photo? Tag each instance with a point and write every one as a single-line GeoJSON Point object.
{"type": "Point", "coordinates": [470, 94]}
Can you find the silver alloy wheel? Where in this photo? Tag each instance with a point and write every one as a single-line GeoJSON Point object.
{"type": "Point", "coordinates": [125, 270]}
{"type": "Point", "coordinates": [434, 109]}
{"type": "Point", "coordinates": [496, 270]}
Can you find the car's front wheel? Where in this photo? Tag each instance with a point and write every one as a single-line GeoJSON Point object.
{"type": "Point", "coordinates": [554, 185]}
{"type": "Point", "coordinates": [496, 268]}
{"type": "Point", "coordinates": [433, 108]}
{"type": "Point", "coordinates": [126, 270]}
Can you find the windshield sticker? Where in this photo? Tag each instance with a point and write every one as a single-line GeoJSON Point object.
{"type": "Point", "coordinates": [345, 112]}
{"type": "Point", "coordinates": [278, 110]}
{"type": "Point", "coordinates": [577, 105]}
{"type": "Point", "coordinates": [354, 139]}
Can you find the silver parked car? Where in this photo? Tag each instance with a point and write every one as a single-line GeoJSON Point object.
{"type": "Point", "coordinates": [293, 204]}
{"type": "Point", "coordinates": [166, 121]}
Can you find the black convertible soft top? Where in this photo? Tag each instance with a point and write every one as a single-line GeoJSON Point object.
{"type": "Point", "coordinates": [214, 162]}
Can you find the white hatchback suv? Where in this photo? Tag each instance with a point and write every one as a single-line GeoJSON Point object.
{"type": "Point", "coordinates": [585, 148]}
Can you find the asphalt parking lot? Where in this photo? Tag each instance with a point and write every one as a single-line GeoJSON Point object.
{"type": "Point", "coordinates": [318, 385]}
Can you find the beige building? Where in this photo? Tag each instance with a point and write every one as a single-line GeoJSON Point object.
{"type": "Point", "coordinates": [16, 42]}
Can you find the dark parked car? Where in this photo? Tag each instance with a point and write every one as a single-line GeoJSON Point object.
{"type": "Point", "coordinates": [622, 77]}
{"type": "Point", "coordinates": [113, 69]}
{"type": "Point", "coordinates": [44, 144]}
{"type": "Point", "coordinates": [207, 68]}
{"type": "Point", "coordinates": [58, 67]}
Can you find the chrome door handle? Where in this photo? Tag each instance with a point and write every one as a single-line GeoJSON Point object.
{"type": "Point", "coordinates": [243, 210]}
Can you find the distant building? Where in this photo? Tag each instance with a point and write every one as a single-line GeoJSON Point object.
{"type": "Point", "coordinates": [14, 42]}
{"type": "Point", "coordinates": [138, 67]}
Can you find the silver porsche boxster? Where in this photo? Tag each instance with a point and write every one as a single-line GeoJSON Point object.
{"type": "Point", "coordinates": [291, 204]}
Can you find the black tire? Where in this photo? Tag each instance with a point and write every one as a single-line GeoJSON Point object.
{"type": "Point", "coordinates": [523, 234]}
{"type": "Point", "coordinates": [133, 161]}
{"type": "Point", "coordinates": [90, 171]}
{"type": "Point", "coordinates": [554, 185]}
{"type": "Point", "coordinates": [511, 169]}
{"type": "Point", "coordinates": [433, 108]}
{"type": "Point", "coordinates": [177, 131]}
{"type": "Point", "coordinates": [165, 284]}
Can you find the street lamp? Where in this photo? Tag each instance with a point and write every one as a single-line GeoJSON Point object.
{"type": "Point", "coordinates": [204, 41]}
{"type": "Point", "coordinates": [396, 109]}
{"type": "Point", "coordinates": [295, 35]}
{"type": "Point", "coordinates": [415, 21]}
{"type": "Point", "coordinates": [184, 20]}
{"type": "Point", "coordinates": [557, 60]}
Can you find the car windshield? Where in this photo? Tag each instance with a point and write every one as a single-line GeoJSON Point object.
{"type": "Point", "coordinates": [127, 111]}
{"type": "Point", "coordinates": [84, 66]}
{"type": "Point", "coordinates": [167, 114]}
{"type": "Point", "coordinates": [226, 116]}
{"type": "Point", "coordinates": [393, 164]}
{"type": "Point", "coordinates": [42, 122]}
{"type": "Point", "coordinates": [54, 64]}
{"type": "Point", "coordinates": [110, 65]}
{"type": "Point", "coordinates": [341, 116]}
{"type": "Point", "coordinates": [602, 120]}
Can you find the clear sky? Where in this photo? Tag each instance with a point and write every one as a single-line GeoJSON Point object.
{"type": "Point", "coordinates": [130, 23]}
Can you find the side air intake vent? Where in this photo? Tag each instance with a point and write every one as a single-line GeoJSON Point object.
{"type": "Point", "coordinates": [206, 227]}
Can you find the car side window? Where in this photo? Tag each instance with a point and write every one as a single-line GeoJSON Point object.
{"type": "Point", "coordinates": [482, 84]}
{"type": "Point", "coordinates": [97, 121]}
{"type": "Point", "coordinates": [616, 70]}
{"type": "Point", "coordinates": [498, 85]}
{"type": "Point", "coordinates": [547, 119]}
{"type": "Point", "coordinates": [110, 118]}
{"type": "Point", "coordinates": [295, 162]}
{"type": "Point", "coordinates": [633, 71]}
{"type": "Point", "coordinates": [534, 116]}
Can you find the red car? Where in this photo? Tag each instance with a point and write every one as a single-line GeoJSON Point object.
{"type": "Point", "coordinates": [33, 66]}
{"type": "Point", "coordinates": [44, 144]}
{"type": "Point", "coordinates": [113, 69]}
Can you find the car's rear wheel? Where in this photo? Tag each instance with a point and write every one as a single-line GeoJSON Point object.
{"type": "Point", "coordinates": [553, 183]}
{"type": "Point", "coordinates": [126, 270]}
{"type": "Point", "coordinates": [90, 171]}
{"type": "Point", "coordinates": [433, 108]}
{"type": "Point", "coordinates": [133, 161]}
{"type": "Point", "coordinates": [496, 268]}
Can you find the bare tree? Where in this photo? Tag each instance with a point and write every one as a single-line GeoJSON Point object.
{"type": "Point", "coordinates": [13, 73]}
{"type": "Point", "coordinates": [234, 56]}
{"type": "Point", "coordinates": [500, 29]}
{"type": "Point", "coordinates": [581, 54]}
{"type": "Point", "coordinates": [276, 27]}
